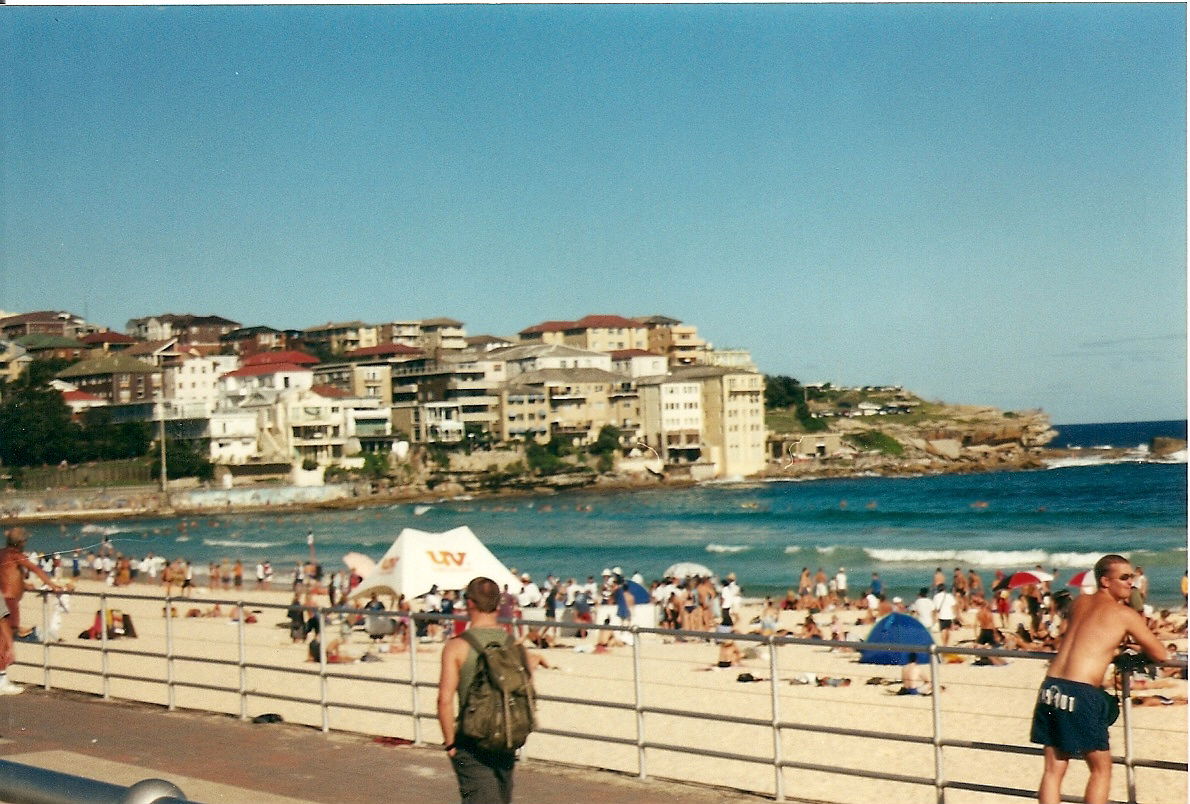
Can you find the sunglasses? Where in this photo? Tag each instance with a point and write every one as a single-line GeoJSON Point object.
{"type": "Point", "coordinates": [1127, 576]}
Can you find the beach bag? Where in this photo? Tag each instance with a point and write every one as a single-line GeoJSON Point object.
{"type": "Point", "coordinates": [498, 712]}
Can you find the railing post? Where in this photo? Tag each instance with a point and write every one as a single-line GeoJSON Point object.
{"type": "Point", "coordinates": [411, 631]}
{"type": "Point", "coordinates": [778, 774]}
{"type": "Point", "coordinates": [170, 689]}
{"type": "Point", "coordinates": [107, 694]}
{"type": "Point", "coordinates": [642, 771]}
{"type": "Point", "coordinates": [322, 681]}
{"type": "Point", "coordinates": [1126, 711]}
{"type": "Point", "coordinates": [936, 707]}
{"type": "Point", "coordinates": [242, 660]}
{"type": "Point", "coordinates": [45, 639]}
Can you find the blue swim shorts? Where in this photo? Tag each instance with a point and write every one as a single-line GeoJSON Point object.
{"type": "Point", "coordinates": [1073, 717]}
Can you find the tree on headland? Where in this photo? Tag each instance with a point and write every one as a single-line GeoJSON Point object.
{"type": "Point", "coordinates": [182, 460]}
{"type": "Point", "coordinates": [782, 392]}
{"type": "Point", "coordinates": [36, 429]}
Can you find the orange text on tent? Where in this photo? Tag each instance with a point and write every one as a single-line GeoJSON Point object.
{"type": "Point", "coordinates": [445, 558]}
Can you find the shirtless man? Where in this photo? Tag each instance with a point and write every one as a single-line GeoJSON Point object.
{"type": "Point", "coordinates": [13, 564]}
{"type": "Point", "coordinates": [1071, 717]}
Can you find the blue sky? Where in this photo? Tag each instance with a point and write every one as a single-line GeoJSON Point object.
{"type": "Point", "coordinates": [983, 203]}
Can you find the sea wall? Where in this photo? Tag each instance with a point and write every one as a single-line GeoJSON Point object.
{"type": "Point", "coordinates": [257, 497]}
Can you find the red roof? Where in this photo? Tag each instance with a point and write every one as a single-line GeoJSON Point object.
{"type": "Point", "coordinates": [586, 322]}
{"type": "Point", "coordinates": [605, 322]}
{"type": "Point", "coordinates": [107, 337]}
{"type": "Point", "coordinates": [265, 368]}
{"type": "Point", "coordinates": [329, 391]}
{"type": "Point", "coordinates": [382, 350]}
{"type": "Point", "coordinates": [548, 326]}
{"type": "Point", "coordinates": [291, 356]}
{"type": "Point", "coordinates": [621, 354]}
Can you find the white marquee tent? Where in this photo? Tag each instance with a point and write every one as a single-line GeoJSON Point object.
{"type": "Point", "coordinates": [418, 560]}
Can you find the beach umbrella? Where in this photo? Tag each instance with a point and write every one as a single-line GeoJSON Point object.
{"type": "Point", "coordinates": [687, 569]}
{"type": "Point", "coordinates": [896, 629]}
{"type": "Point", "coordinates": [1084, 578]}
{"type": "Point", "coordinates": [637, 592]}
{"type": "Point", "coordinates": [359, 563]}
{"type": "Point", "coordinates": [1028, 578]}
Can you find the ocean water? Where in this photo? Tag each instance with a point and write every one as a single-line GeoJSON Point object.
{"type": "Point", "coordinates": [1062, 518]}
{"type": "Point", "coordinates": [1117, 434]}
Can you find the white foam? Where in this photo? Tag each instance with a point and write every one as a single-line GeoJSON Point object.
{"type": "Point", "coordinates": [104, 530]}
{"type": "Point", "coordinates": [727, 548]}
{"type": "Point", "coordinates": [986, 558]}
{"type": "Point", "coordinates": [233, 543]}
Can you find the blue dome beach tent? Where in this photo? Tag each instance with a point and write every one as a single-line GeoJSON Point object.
{"type": "Point", "coordinates": [896, 629]}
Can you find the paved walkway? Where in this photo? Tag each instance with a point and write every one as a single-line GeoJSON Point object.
{"type": "Point", "coordinates": [217, 758]}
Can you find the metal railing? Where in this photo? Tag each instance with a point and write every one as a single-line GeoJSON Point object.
{"type": "Point", "coordinates": [642, 742]}
{"type": "Point", "coordinates": [25, 784]}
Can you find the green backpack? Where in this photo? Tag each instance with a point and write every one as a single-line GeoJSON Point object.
{"type": "Point", "coordinates": [498, 711]}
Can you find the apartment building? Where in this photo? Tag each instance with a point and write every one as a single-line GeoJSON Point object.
{"type": "Point", "coordinates": [45, 322]}
{"type": "Point", "coordinates": [201, 332]}
{"type": "Point", "coordinates": [237, 386]}
{"type": "Point", "coordinates": [448, 398]}
{"type": "Point", "coordinates": [253, 340]}
{"type": "Point", "coordinates": [537, 357]}
{"type": "Point", "coordinates": [192, 387]}
{"type": "Point", "coordinates": [638, 363]}
{"type": "Point", "coordinates": [48, 347]}
{"type": "Point", "coordinates": [733, 417]}
{"type": "Point", "coordinates": [672, 419]}
{"type": "Point", "coordinates": [340, 337]}
{"type": "Point", "coordinates": [577, 403]}
{"type": "Point", "coordinates": [108, 341]}
{"type": "Point", "coordinates": [367, 380]}
{"type": "Point", "coordinates": [443, 334]}
{"type": "Point", "coordinates": [524, 413]}
{"type": "Point", "coordinates": [117, 379]}
{"type": "Point", "coordinates": [677, 341]}
{"type": "Point", "coordinates": [161, 354]}
{"type": "Point", "coordinates": [740, 359]}
{"type": "Point", "coordinates": [428, 334]}
{"type": "Point", "coordinates": [597, 333]}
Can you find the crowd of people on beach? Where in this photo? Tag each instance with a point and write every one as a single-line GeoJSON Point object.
{"type": "Point", "coordinates": [956, 607]}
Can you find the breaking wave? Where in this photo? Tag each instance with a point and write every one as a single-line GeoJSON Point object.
{"type": "Point", "coordinates": [985, 558]}
{"type": "Point", "coordinates": [234, 543]}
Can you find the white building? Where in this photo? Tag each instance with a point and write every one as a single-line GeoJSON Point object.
{"type": "Point", "coordinates": [639, 363]}
{"type": "Point", "coordinates": [192, 387]}
{"type": "Point", "coordinates": [540, 357]}
{"type": "Point", "coordinates": [671, 410]}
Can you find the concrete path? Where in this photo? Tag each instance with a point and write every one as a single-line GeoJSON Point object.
{"type": "Point", "coordinates": [217, 758]}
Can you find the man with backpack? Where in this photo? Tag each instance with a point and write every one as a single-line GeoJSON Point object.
{"type": "Point", "coordinates": [491, 676]}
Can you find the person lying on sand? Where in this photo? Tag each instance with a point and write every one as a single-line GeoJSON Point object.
{"type": "Point", "coordinates": [1159, 700]}
{"type": "Point", "coordinates": [334, 652]}
{"type": "Point", "coordinates": [608, 639]}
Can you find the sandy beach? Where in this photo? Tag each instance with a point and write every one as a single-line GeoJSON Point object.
{"type": "Point", "coordinates": [983, 704]}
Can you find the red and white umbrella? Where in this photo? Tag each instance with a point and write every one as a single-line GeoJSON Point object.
{"type": "Point", "coordinates": [1084, 578]}
{"type": "Point", "coordinates": [1028, 578]}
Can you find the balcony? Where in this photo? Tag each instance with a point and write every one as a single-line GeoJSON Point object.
{"type": "Point", "coordinates": [570, 428]}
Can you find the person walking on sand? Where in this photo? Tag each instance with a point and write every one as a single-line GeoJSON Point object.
{"type": "Point", "coordinates": [485, 777]}
{"type": "Point", "coordinates": [14, 565]}
{"type": "Point", "coordinates": [1072, 713]}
